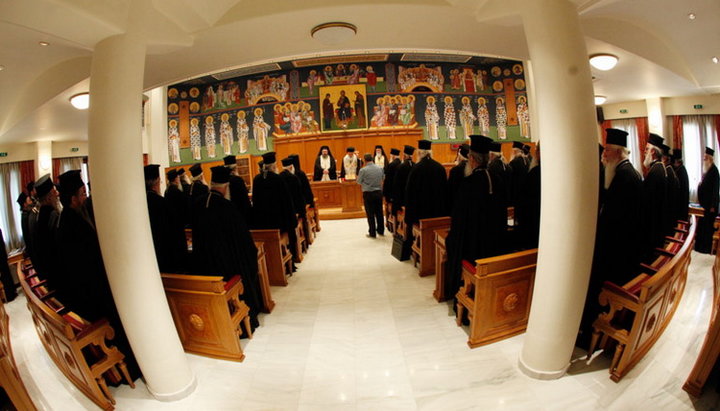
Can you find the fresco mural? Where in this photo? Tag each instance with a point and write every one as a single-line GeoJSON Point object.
{"type": "Point", "coordinates": [209, 118]}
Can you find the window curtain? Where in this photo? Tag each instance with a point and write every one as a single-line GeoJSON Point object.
{"type": "Point", "coordinates": [677, 127]}
{"type": "Point", "coordinates": [27, 173]}
{"type": "Point", "coordinates": [630, 127]}
{"type": "Point", "coordinates": [10, 215]}
{"type": "Point", "coordinates": [70, 163]}
{"type": "Point", "coordinates": [698, 132]}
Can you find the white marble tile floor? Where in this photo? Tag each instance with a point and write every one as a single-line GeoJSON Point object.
{"type": "Point", "coordinates": [356, 329]}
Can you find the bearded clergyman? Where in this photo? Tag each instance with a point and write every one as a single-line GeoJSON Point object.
{"type": "Point", "coordinates": [655, 224]}
{"type": "Point", "coordinates": [708, 199]}
{"type": "Point", "coordinates": [325, 167]}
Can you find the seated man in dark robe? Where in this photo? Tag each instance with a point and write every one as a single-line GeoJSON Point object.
{"type": "Point", "coordinates": [473, 228]}
{"type": "Point", "coordinates": [199, 187]}
{"type": "Point", "coordinates": [45, 244]}
{"type": "Point", "coordinates": [708, 198]}
{"type": "Point", "coordinates": [426, 184]}
{"type": "Point", "coordinates": [293, 184]}
{"type": "Point", "coordinates": [681, 172]}
{"type": "Point", "coordinates": [325, 167]}
{"type": "Point", "coordinates": [618, 243]}
{"type": "Point", "coordinates": [457, 173]}
{"type": "Point", "coordinates": [238, 189]}
{"type": "Point", "coordinates": [222, 243]}
{"type": "Point", "coordinates": [655, 223]}
{"type": "Point", "coordinates": [272, 202]}
{"type": "Point", "coordinates": [168, 233]}
{"type": "Point", "coordinates": [400, 179]}
{"type": "Point", "coordinates": [177, 200]}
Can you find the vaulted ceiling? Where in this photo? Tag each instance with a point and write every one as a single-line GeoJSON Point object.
{"type": "Point", "coordinates": [663, 53]}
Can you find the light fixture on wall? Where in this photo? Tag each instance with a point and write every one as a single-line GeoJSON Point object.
{"type": "Point", "coordinates": [603, 62]}
{"type": "Point", "coordinates": [333, 33]}
{"type": "Point", "coordinates": [45, 162]}
{"type": "Point", "coordinates": [80, 101]}
{"type": "Point", "coordinates": [715, 60]}
{"type": "Point", "coordinates": [599, 100]}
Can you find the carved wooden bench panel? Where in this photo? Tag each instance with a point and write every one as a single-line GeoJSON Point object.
{"type": "Point", "coordinates": [423, 249]}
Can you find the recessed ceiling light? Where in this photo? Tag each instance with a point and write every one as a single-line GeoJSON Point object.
{"type": "Point", "coordinates": [599, 100]}
{"type": "Point", "coordinates": [603, 62]}
{"type": "Point", "coordinates": [2, 68]}
{"type": "Point", "coordinates": [715, 60]}
{"type": "Point", "coordinates": [80, 101]}
{"type": "Point", "coordinates": [43, 43]}
{"type": "Point", "coordinates": [691, 16]}
{"type": "Point", "coordinates": [333, 33]}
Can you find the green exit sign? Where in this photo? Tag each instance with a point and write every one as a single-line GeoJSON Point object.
{"type": "Point", "coordinates": [3, 154]}
{"type": "Point", "coordinates": [623, 111]}
{"type": "Point", "coordinates": [698, 106]}
{"type": "Point", "coordinates": [74, 149]}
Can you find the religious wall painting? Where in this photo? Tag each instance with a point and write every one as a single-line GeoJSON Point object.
{"type": "Point", "coordinates": [523, 116]}
{"type": "Point", "coordinates": [449, 117]}
{"type": "Point", "coordinates": [420, 78]}
{"type": "Point", "coordinates": [294, 119]}
{"type": "Point", "coordinates": [267, 89]}
{"type": "Point", "coordinates": [183, 94]}
{"type": "Point", "coordinates": [172, 93]}
{"type": "Point", "coordinates": [226, 134]}
{"type": "Point", "coordinates": [519, 84]}
{"type": "Point", "coordinates": [195, 138]}
{"type": "Point", "coordinates": [496, 71]}
{"type": "Point", "coordinates": [210, 136]}
{"type": "Point", "coordinates": [173, 108]}
{"type": "Point", "coordinates": [483, 115]}
{"type": "Point", "coordinates": [497, 86]}
{"type": "Point", "coordinates": [343, 107]}
{"type": "Point", "coordinates": [226, 95]}
{"type": "Point", "coordinates": [243, 131]}
{"type": "Point", "coordinates": [173, 141]}
{"type": "Point", "coordinates": [467, 118]}
{"type": "Point", "coordinates": [432, 118]}
{"type": "Point", "coordinates": [194, 107]}
{"type": "Point", "coordinates": [393, 111]}
{"type": "Point", "coordinates": [501, 118]}
{"type": "Point", "coordinates": [517, 69]}
{"type": "Point", "coordinates": [261, 129]}
{"type": "Point", "coordinates": [194, 92]}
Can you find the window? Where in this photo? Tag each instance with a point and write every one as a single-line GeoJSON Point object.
{"type": "Point", "coordinates": [10, 215]}
{"type": "Point", "coordinates": [630, 126]}
{"type": "Point", "coordinates": [698, 132]}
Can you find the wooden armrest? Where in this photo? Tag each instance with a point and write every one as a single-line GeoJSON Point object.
{"type": "Point", "coordinates": [665, 252]}
{"type": "Point", "coordinates": [673, 239]}
{"type": "Point", "coordinates": [681, 230]}
{"type": "Point", "coordinates": [620, 291]}
{"type": "Point", "coordinates": [649, 267]}
{"type": "Point", "coordinates": [469, 266]}
{"type": "Point", "coordinates": [38, 284]}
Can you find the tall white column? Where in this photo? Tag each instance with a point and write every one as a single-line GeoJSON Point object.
{"type": "Point", "coordinates": [567, 134]}
{"type": "Point", "coordinates": [43, 158]}
{"type": "Point", "coordinates": [656, 118]}
{"type": "Point", "coordinates": [122, 218]}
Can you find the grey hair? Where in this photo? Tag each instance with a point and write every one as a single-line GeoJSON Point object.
{"type": "Point", "coordinates": [423, 153]}
{"type": "Point", "coordinates": [214, 185]}
{"type": "Point", "coordinates": [481, 159]}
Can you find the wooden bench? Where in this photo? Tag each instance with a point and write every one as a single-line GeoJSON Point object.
{"type": "Point", "coordinates": [79, 349]}
{"type": "Point", "coordinates": [423, 250]}
{"type": "Point", "coordinates": [400, 224]}
{"type": "Point", "coordinates": [277, 254]}
{"type": "Point", "coordinates": [9, 375]}
{"type": "Point", "coordinates": [268, 302]}
{"type": "Point", "coordinates": [309, 225]}
{"type": "Point", "coordinates": [301, 243]}
{"type": "Point", "coordinates": [496, 293]}
{"type": "Point", "coordinates": [440, 259]}
{"type": "Point", "coordinates": [208, 314]}
{"type": "Point", "coordinates": [639, 311]}
{"type": "Point", "coordinates": [389, 216]}
{"type": "Point", "coordinates": [710, 350]}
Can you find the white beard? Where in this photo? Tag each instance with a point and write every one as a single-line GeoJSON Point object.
{"type": "Point", "coordinates": [648, 160]}
{"type": "Point", "coordinates": [706, 167]}
{"type": "Point", "coordinates": [610, 173]}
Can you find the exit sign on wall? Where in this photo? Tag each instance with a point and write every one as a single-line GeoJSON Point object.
{"type": "Point", "coordinates": [74, 149]}
{"type": "Point", "coordinates": [3, 154]}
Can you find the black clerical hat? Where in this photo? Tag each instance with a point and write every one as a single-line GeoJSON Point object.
{"type": "Point", "coordinates": [378, 146]}
{"type": "Point", "coordinates": [677, 154]}
{"type": "Point", "coordinates": [656, 140]}
{"type": "Point", "coordinates": [287, 161]}
{"type": "Point", "coordinates": [21, 199]}
{"type": "Point", "coordinates": [424, 144]}
{"type": "Point", "coordinates": [181, 171]}
{"type": "Point", "coordinates": [269, 158]}
{"type": "Point", "coordinates": [351, 149]}
{"type": "Point", "coordinates": [495, 147]}
{"type": "Point", "coordinates": [220, 174]}
{"type": "Point", "coordinates": [70, 182]}
{"type": "Point", "coordinates": [480, 144]}
{"type": "Point", "coordinates": [709, 151]}
{"type": "Point", "coordinates": [152, 171]}
{"type": "Point", "coordinates": [229, 160]}
{"type": "Point", "coordinates": [616, 137]}
{"type": "Point", "coordinates": [43, 185]}
{"type": "Point", "coordinates": [409, 150]}
{"type": "Point", "coordinates": [394, 151]}
{"type": "Point", "coordinates": [464, 149]}
{"type": "Point", "coordinates": [526, 149]}
{"type": "Point", "coordinates": [665, 150]}
{"type": "Point", "coordinates": [30, 186]}
{"type": "Point", "coordinates": [172, 175]}
{"type": "Point", "coordinates": [196, 169]}
{"type": "Point", "coordinates": [518, 145]}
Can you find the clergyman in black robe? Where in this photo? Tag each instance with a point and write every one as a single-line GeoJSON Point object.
{"type": "Point", "coordinates": [184, 181]}
{"type": "Point", "coordinates": [519, 171]}
{"type": "Point", "coordinates": [177, 200]}
{"type": "Point", "coordinates": [238, 190]}
{"type": "Point", "coordinates": [473, 230]}
{"type": "Point", "coordinates": [222, 243]}
{"type": "Point", "coordinates": [389, 170]}
{"type": "Point", "coordinates": [456, 174]}
{"type": "Point", "coordinates": [198, 188]}
{"type": "Point", "coordinates": [400, 180]}
{"type": "Point", "coordinates": [28, 220]}
{"type": "Point", "coordinates": [530, 205]}
{"type": "Point", "coordinates": [673, 191]}
{"type": "Point", "coordinates": [681, 172]}
{"type": "Point", "coordinates": [45, 248]}
{"type": "Point", "coordinates": [325, 166]}
{"type": "Point", "coordinates": [655, 224]}
{"type": "Point", "coordinates": [305, 187]}
{"type": "Point", "coordinates": [425, 188]}
{"type": "Point", "coordinates": [168, 233]}
{"type": "Point", "coordinates": [708, 197]}
{"type": "Point", "coordinates": [503, 173]}
{"type": "Point", "coordinates": [293, 185]}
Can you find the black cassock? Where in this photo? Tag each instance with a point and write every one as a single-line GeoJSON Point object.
{"type": "Point", "coordinates": [502, 190]}
{"type": "Point", "coordinates": [425, 193]}
{"type": "Point", "coordinates": [305, 188]}
{"type": "Point", "coordinates": [455, 176]}
{"type": "Point", "coordinates": [293, 185]}
{"type": "Point", "coordinates": [530, 210]}
{"type": "Point", "coordinates": [684, 200]}
{"type": "Point", "coordinates": [239, 196]}
{"type": "Point", "coordinates": [168, 235]}
{"type": "Point", "coordinates": [654, 206]}
{"type": "Point", "coordinates": [474, 229]}
{"type": "Point", "coordinates": [197, 189]}
{"type": "Point", "coordinates": [45, 250]}
{"type": "Point", "coordinates": [179, 204]}
{"type": "Point", "coordinates": [5, 276]}
{"type": "Point", "coordinates": [708, 199]}
{"type": "Point", "coordinates": [185, 187]}
{"type": "Point", "coordinates": [673, 198]}
{"type": "Point", "coordinates": [272, 204]}
{"type": "Point", "coordinates": [28, 221]}
{"type": "Point", "coordinates": [519, 172]}
{"type": "Point", "coordinates": [318, 172]}
{"type": "Point", "coordinates": [390, 170]}
{"type": "Point", "coordinates": [223, 245]}
{"type": "Point", "coordinates": [399, 185]}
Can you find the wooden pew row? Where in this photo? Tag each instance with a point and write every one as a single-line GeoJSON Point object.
{"type": "Point", "coordinates": [710, 350]}
{"type": "Point", "coordinates": [10, 379]}
{"type": "Point", "coordinates": [268, 302]}
{"type": "Point", "coordinates": [67, 338]}
{"type": "Point", "coordinates": [277, 254]}
{"type": "Point", "coordinates": [639, 311]}
{"type": "Point", "coordinates": [208, 314]}
{"type": "Point", "coordinates": [440, 259]}
{"type": "Point", "coordinates": [496, 293]}
{"type": "Point", "coordinates": [423, 250]}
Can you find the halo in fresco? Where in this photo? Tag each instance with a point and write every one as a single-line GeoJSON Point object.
{"type": "Point", "coordinates": [498, 85]}
{"type": "Point", "coordinates": [194, 92]}
{"type": "Point", "coordinates": [495, 71]}
{"type": "Point", "coordinates": [520, 84]}
{"type": "Point", "coordinates": [173, 108]}
{"type": "Point", "coordinates": [517, 69]}
{"type": "Point", "coordinates": [172, 93]}
{"type": "Point", "coordinates": [194, 107]}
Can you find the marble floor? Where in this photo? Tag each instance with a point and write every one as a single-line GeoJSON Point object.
{"type": "Point", "coordinates": [356, 329]}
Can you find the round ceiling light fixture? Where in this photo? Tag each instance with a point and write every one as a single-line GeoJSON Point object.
{"type": "Point", "coordinates": [43, 43]}
{"type": "Point", "coordinates": [333, 33]}
{"type": "Point", "coordinates": [603, 62]}
{"type": "Point", "coordinates": [599, 100]}
{"type": "Point", "coordinates": [714, 60]}
{"type": "Point", "coordinates": [80, 101]}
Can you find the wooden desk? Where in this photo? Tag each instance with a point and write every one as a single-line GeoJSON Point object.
{"type": "Point", "coordinates": [338, 199]}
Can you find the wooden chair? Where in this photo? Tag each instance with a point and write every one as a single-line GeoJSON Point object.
{"type": "Point", "coordinates": [301, 243]}
{"type": "Point", "coordinates": [639, 311]}
{"type": "Point", "coordinates": [208, 314]}
{"type": "Point", "coordinates": [78, 348]}
{"type": "Point", "coordinates": [264, 280]}
{"type": "Point", "coordinates": [423, 249]}
{"type": "Point", "coordinates": [496, 293]}
{"type": "Point", "coordinates": [440, 259]}
{"type": "Point", "coordinates": [277, 254]}
{"type": "Point", "coordinates": [309, 225]}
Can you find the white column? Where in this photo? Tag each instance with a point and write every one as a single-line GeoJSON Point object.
{"type": "Point", "coordinates": [114, 131]}
{"type": "Point", "coordinates": [43, 158]}
{"type": "Point", "coordinates": [567, 134]}
{"type": "Point", "coordinates": [156, 129]}
{"type": "Point", "coordinates": [656, 118]}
